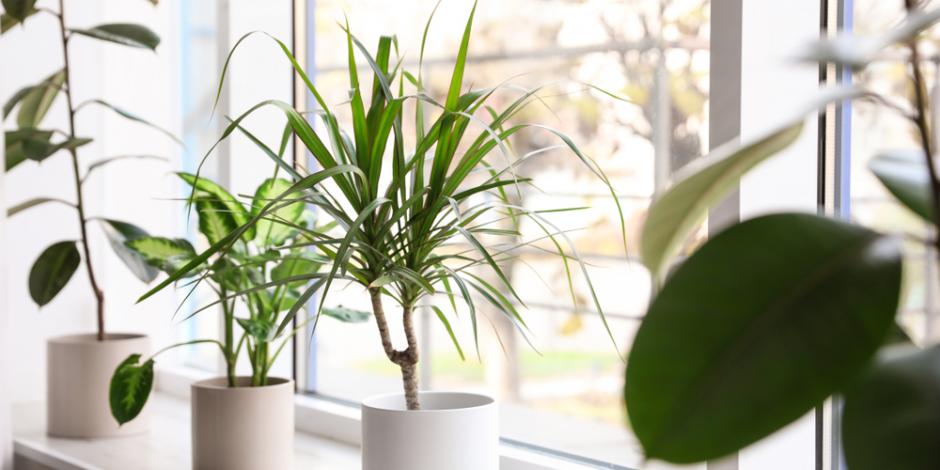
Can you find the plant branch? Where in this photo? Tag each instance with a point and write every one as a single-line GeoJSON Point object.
{"type": "Point", "coordinates": [76, 173]}
{"type": "Point", "coordinates": [923, 127]}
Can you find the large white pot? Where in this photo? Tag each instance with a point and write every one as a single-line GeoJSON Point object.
{"type": "Point", "coordinates": [243, 427]}
{"type": "Point", "coordinates": [79, 369]}
{"type": "Point", "coordinates": [452, 431]}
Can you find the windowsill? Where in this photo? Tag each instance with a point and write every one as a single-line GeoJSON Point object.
{"type": "Point", "coordinates": [327, 438]}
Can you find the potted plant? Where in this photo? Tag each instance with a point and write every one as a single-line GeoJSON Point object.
{"type": "Point", "coordinates": [783, 311]}
{"type": "Point", "coordinates": [402, 213]}
{"type": "Point", "coordinates": [268, 263]}
{"type": "Point", "coordinates": [78, 366]}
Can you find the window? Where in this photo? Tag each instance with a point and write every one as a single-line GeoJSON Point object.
{"type": "Point", "coordinates": [654, 53]}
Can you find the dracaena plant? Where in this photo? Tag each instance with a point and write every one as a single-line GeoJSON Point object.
{"type": "Point", "coordinates": [262, 265]}
{"type": "Point", "coordinates": [32, 140]}
{"type": "Point", "coordinates": [413, 219]}
{"type": "Point", "coordinates": [776, 314]}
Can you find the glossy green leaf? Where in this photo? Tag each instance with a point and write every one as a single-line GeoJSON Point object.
{"type": "Point", "coordinates": [756, 328]}
{"type": "Point", "coordinates": [346, 315]}
{"type": "Point", "coordinates": [294, 265]}
{"type": "Point", "coordinates": [119, 234]}
{"type": "Point", "coordinates": [221, 201]}
{"type": "Point", "coordinates": [36, 103]}
{"type": "Point", "coordinates": [52, 271]}
{"type": "Point", "coordinates": [262, 330]}
{"type": "Point", "coordinates": [905, 175]}
{"type": "Point", "coordinates": [269, 231]}
{"type": "Point", "coordinates": [891, 417]}
{"type": "Point", "coordinates": [127, 34]}
{"type": "Point", "coordinates": [19, 9]}
{"type": "Point", "coordinates": [164, 253]}
{"type": "Point", "coordinates": [130, 388]}
{"type": "Point", "coordinates": [36, 145]}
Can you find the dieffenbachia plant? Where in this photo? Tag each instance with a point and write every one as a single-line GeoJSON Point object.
{"type": "Point", "coordinates": [261, 268]}
{"type": "Point", "coordinates": [776, 314]}
{"type": "Point", "coordinates": [30, 140]}
{"type": "Point", "coordinates": [412, 217]}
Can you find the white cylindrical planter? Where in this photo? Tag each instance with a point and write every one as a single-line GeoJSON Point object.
{"type": "Point", "coordinates": [243, 427]}
{"type": "Point", "coordinates": [79, 369]}
{"type": "Point", "coordinates": [453, 431]}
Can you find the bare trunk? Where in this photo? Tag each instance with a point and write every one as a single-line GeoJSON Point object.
{"type": "Point", "coordinates": [406, 359]}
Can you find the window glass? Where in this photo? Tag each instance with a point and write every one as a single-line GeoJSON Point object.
{"type": "Point", "coordinates": [570, 379]}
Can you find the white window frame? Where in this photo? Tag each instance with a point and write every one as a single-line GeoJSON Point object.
{"type": "Point", "coordinates": [743, 21]}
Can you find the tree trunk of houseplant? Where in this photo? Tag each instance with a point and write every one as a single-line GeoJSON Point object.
{"type": "Point", "coordinates": [242, 427]}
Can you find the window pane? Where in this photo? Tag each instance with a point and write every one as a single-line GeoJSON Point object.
{"type": "Point", "coordinates": [569, 380]}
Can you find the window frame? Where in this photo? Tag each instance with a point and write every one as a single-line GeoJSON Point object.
{"type": "Point", "coordinates": [339, 419]}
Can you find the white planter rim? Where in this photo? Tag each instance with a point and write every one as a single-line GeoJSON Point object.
{"type": "Point", "coordinates": [242, 384]}
{"type": "Point", "coordinates": [92, 338]}
{"type": "Point", "coordinates": [432, 402]}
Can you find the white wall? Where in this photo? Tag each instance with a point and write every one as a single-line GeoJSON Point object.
{"type": "Point", "coordinates": [141, 82]}
{"type": "Point", "coordinates": [774, 87]}
{"type": "Point", "coordinates": [6, 451]}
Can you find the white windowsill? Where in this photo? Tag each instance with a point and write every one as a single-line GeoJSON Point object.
{"type": "Point", "coordinates": [328, 437]}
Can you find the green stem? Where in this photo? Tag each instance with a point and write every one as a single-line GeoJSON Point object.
{"type": "Point", "coordinates": [230, 359]}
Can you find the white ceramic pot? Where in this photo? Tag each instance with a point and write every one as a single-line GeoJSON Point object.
{"type": "Point", "coordinates": [243, 427]}
{"type": "Point", "coordinates": [79, 369]}
{"type": "Point", "coordinates": [452, 431]}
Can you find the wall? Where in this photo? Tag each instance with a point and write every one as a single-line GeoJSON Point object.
{"type": "Point", "coordinates": [136, 191]}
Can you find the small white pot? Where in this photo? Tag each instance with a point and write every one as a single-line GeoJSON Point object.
{"type": "Point", "coordinates": [243, 427]}
{"type": "Point", "coordinates": [79, 369]}
{"type": "Point", "coordinates": [452, 431]}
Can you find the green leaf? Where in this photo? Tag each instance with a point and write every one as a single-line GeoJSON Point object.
{"type": "Point", "coordinates": [675, 214]}
{"type": "Point", "coordinates": [52, 271]}
{"type": "Point", "coordinates": [36, 103]}
{"type": "Point", "coordinates": [269, 231]}
{"type": "Point", "coordinates": [16, 98]}
{"type": "Point", "coordinates": [35, 144]}
{"type": "Point", "coordinates": [346, 315]}
{"type": "Point", "coordinates": [35, 202]}
{"type": "Point", "coordinates": [130, 388]}
{"type": "Point", "coordinates": [450, 331]}
{"type": "Point", "coordinates": [119, 234]}
{"type": "Point", "coordinates": [756, 328]}
{"type": "Point", "coordinates": [892, 416]}
{"type": "Point", "coordinates": [262, 330]}
{"type": "Point", "coordinates": [127, 34]}
{"type": "Point", "coordinates": [133, 117]}
{"type": "Point", "coordinates": [19, 9]}
{"type": "Point", "coordinates": [228, 206]}
{"type": "Point", "coordinates": [905, 175]}
{"type": "Point", "coordinates": [164, 253]}
{"type": "Point", "coordinates": [215, 222]}
{"type": "Point", "coordinates": [294, 265]}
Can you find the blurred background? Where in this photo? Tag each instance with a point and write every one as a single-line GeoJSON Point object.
{"type": "Point", "coordinates": [564, 392]}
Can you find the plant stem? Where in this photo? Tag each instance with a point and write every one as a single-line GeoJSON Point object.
{"type": "Point", "coordinates": [923, 127]}
{"type": "Point", "coordinates": [229, 349]}
{"type": "Point", "coordinates": [76, 172]}
{"type": "Point", "coordinates": [407, 359]}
